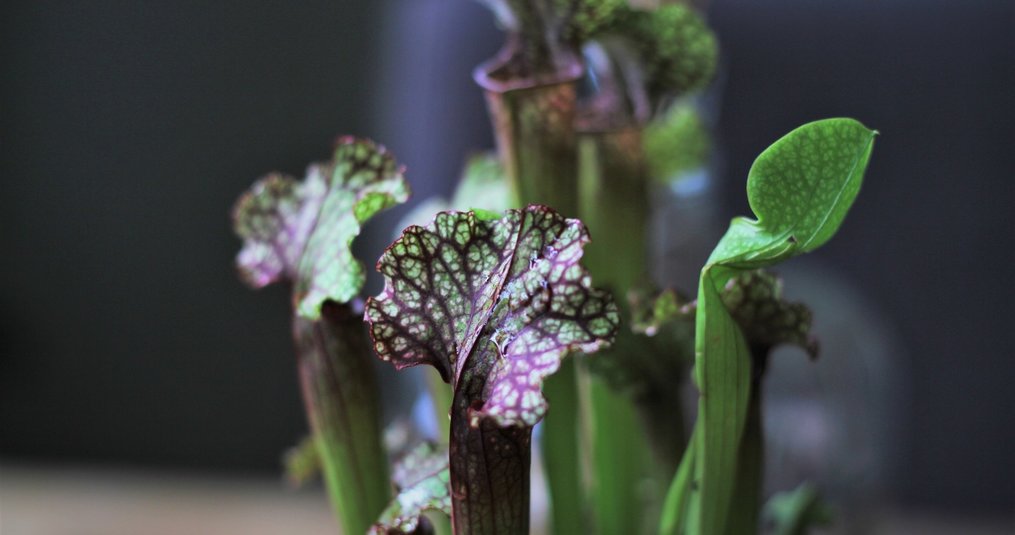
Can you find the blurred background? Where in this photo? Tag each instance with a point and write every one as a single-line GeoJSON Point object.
{"type": "Point", "coordinates": [135, 367]}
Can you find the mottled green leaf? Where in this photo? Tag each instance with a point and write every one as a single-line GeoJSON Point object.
{"type": "Point", "coordinates": [301, 231]}
{"type": "Point", "coordinates": [422, 479]}
{"type": "Point", "coordinates": [754, 299]}
{"type": "Point", "coordinates": [652, 314]}
{"type": "Point", "coordinates": [583, 18]}
{"type": "Point", "coordinates": [677, 47]}
{"type": "Point", "coordinates": [504, 299]}
{"type": "Point", "coordinates": [494, 305]}
{"type": "Point", "coordinates": [800, 190]}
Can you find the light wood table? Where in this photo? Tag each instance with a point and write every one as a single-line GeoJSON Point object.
{"type": "Point", "coordinates": [36, 500]}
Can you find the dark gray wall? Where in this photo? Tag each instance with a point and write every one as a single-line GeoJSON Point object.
{"type": "Point", "coordinates": [930, 237]}
{"type": "Point", "coordinates": [128, 129]}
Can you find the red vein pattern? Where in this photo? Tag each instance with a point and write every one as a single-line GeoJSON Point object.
{"type": "Point", "coordinates": [504, 300]}
{"type": "Point", "coordinates": [494, 305]}
{"type": "Point", "coordinates": [301, 231]}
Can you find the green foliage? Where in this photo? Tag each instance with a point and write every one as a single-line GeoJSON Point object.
{"type": "Point", "coordinates": [656, 350]}
{"type": "Point", "coordinates": [676, 142]}
{"type": "Point", "coordinates": [495, 300]}
{"type": "Point", "coordinates": [754, 299]}
{"type": "Point", "coordinates": [502, 298]}
{"type": "Point", "coordinates": [494, 305]}
{"type": "Point", "coordinates": [794, 512]}
{"type": "Point", "coordinates": [422, 480]}
{"type": "Point", "coordinates": [675, 44]}
{"type": "Point", "coordinates": [665, 310]}
{"type": "Point", "coordinates": [483, 186]}
{"type": "Point", "coordinates": [586, 17]}
{"type": "Point", "coordinates": [302, 462]}
{"type": "Point", "coordinates": [302, 231]}
{"type": "Point", "coordinates": [800, 189]}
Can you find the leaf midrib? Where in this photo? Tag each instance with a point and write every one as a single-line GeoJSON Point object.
{"type": "Point", "coordinates": [516, 238]}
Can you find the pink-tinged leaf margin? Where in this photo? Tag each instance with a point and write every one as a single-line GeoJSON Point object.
{"type": "Point", "coordinates": [498, 301]}
{"type": "Point", "coordinates": [302, 230]}
{"type": "Point", "coordinates": [422, 479]}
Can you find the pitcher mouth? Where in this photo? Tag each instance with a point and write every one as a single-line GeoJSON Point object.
{"type": "Point", "coordinates": [507, 71]}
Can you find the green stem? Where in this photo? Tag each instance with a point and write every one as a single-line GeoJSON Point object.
{"type": "Point", "coordinates": [677, 504]}
{"type": "Point", "coordinates": [341, 397]}
{"type": "Point", "coordinates": [561, 450]}
{"type": "Point", "coordinates": [614, 205]}
{"type": "Point", "coordinates": [746, 501]}
{"type": "Point", "coordinates": [620, 459]}
{"type": "Point", "coordinates": [534, 126]}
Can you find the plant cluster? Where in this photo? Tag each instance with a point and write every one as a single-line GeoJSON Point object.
{"type": "Point", "coordinates": [525, 320]}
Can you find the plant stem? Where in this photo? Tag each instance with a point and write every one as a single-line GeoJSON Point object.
{"type": "Point", "coordinates": [746, 501]}
{"type": "Point", "coordinates": [620, 458]}
{"type": "Point", "coordinates": [489, 472]}
{"type": "Point", "coordinates": [613, 183]}
{"type": "Point", "coordinates": [341, 397]}
{"type": "Point", "coordinates": [533, 119]}
{"type": "Point", "coordinates": [534, 127]}
{"type": "Point", "coordinates": [614, 205]}
{"type": "Point", "coordinates": [561, 448]}
{"type": "Point", "coordinates": [677, 504]}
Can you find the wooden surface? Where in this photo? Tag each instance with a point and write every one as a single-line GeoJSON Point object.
{"type": "Point", "coordinates": [77, 501]}
{"type": "Point", "coordinates": [48, 501]}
